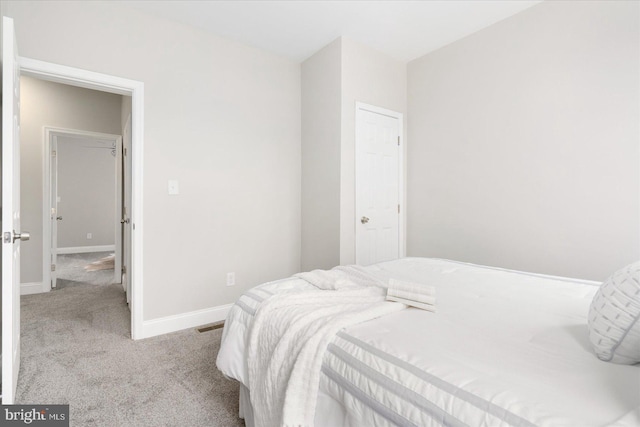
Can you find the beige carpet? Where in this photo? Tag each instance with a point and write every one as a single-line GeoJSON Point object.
{"type": "Point", "coordinates": [76, 350]}
{"type": "Point", "coordinates": [106, 263]}
{"type": "Point", "coordinates": [72, 272]}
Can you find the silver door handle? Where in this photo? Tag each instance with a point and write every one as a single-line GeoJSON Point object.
{"type": "Point", "coordinates": [59, 218]}
{"type": "Point", "coordinates": [364, 220]}
{"type": "Point", "coordinates": [124, 221]}
{"type": "Point", "coordinates": [12, 237]}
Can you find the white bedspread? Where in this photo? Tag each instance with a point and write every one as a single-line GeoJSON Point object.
{"type": "Point", "coordinates": [505, 348]}
{"type": "Point", "coordinates": [289, 335]}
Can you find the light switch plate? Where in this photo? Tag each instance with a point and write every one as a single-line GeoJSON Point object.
{"type": "Point", "coordinates": [231, 279]}
{"type": "Point", "coordinates": [173, 187]}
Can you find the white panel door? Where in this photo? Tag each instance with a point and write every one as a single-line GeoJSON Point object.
{"type": "Point", "coordinates": [126, 211]}
{"type": "Point", "coordinates": [118, 216]}
{"type": "Point", "coordinates": [377, 187]}
{"type": "Point", "coordinates": [11, 235]}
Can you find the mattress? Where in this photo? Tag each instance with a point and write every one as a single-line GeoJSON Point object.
{"type": "Point", "coordinates": [503, 348]}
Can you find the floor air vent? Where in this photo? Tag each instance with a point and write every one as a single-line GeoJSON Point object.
{"type": "Point", "coordinates": [211, 327]}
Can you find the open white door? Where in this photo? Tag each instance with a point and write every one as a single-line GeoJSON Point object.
{"type": "Point", "coordinates": [118, 215]}
{"type": "Point", "coordinates": [11, 235]}
{"type": "Point", "coordinates": [53, 204]}
{"type": "Point", "coordinates": [126, 209]}
{"type": "Point", "coordinates": [377, 184]}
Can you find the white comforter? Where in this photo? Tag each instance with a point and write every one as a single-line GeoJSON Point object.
{"type": "Point", "coordinates": [504, 348]}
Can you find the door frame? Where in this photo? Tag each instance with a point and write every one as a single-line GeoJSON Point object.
{"type": "Point", "coordinates": [49, 133]}
{"type": "Point", "coordinates": [361, 106]}
{"type": "Point", "coordinates": [121, 86]}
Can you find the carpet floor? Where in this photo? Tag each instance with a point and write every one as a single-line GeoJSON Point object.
{"type": "Point", "coordinates": [76, 350]}
{"type": "Point", "coordinates": [72, 272]}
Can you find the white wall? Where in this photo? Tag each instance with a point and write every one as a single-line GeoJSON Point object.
{"type": "Point", "coordinates": [86, 192]}
{"type": "Point", "coordinates": [42, 104]}
{"type": "Point", "coordinates": [221, 118]}
{"type": "Point", "coordinates": [524, 142]}
{"type": "Point", "coordinates": [333, 80]}
{"type": "Point", "coordinates": [321, 139]}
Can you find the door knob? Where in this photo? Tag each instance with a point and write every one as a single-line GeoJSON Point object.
{"type": "Point", "coordinates": [59, 218]}
{"type": "Point", "coordinates": [364, 220]}
{"type": "Point", "coordinates": [12, 237]}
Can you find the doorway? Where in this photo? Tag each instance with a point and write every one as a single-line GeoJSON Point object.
{"type": "Point", "coordinates": [83, 202]}
{"type": "Point", "coordinates": [13, 67]}
{"type": "Point", "coordinates": [379, 189]}
{"type": "Point", "coordinates": [134, 89]}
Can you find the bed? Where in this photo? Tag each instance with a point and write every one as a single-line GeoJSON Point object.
{"type": "Point", "coordinates": [504, 348]}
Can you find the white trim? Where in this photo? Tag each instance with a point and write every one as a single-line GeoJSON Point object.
{"type": "Point", "coordinates": [178, 322]}
{"type": "Point", "coordinates": [77, 77]}
{"type": "Point", "coordinates": [86, 249]}
{"type": "Point", "coordinates": [103, 82]}
{"type": "Point", "coordinates": [82, 133]}
{"type": "Point", "coordinates": [32, 288]}
{"type": "Point", "coordinates": [402, 244]}
{"type": "Point", "coordinates": [378, 110]}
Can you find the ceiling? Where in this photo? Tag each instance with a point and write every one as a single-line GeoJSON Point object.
{"type": "Point", "coordinates": [404, 30]}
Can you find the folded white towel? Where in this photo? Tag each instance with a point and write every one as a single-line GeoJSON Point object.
{"type": "Point", "coordinates": [412, 296]}
{"type": "Point", "coordinates": [416, 288]}
{"type": "Point", "coordinates": [428, 307]}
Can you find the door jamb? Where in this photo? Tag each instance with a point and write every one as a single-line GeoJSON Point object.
{"type": "Point", "coordinates": [49, 133]}
{"type": "Point", "coordinates": [121, 86]}
{"type": "Point", "coordinates": [402, 244]}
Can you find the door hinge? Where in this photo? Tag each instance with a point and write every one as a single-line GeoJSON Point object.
{"type": "Point", "coordinates": [54, 153]}
{"type": "Point", "coordinates": [53, 267]}
{"type": "Point", "coordinates": [398, 140]}
{"type": "Point", "coordinates": [125, 152]}
{"type": "Point", "coordinates": [398, 208]}
{"type": "Point", "coordinates": [124, 269]}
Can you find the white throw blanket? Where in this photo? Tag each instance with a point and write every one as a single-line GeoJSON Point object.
{"type": "Point", "coordinates": [342, 277]}
{"type": "Point", "coordinates": [290, 334]}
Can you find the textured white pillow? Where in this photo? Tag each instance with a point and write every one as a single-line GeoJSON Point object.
{"type": "Point", "coordinates": [614, 317]}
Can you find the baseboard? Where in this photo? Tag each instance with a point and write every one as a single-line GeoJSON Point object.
{"type": "Point", "coordinates": [31, 288]}
{"type": "Point", "coordinates": [86, 249]}
{"type": "Point", "coordinates": [178, 322]}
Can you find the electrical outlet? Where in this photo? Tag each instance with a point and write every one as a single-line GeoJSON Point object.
{"type": "Point", "coordinates": [89, 236]}
{"type": "Point", "coordinates": [173, 187]}
{"type": "Point", "coordinates": [231, 279]}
